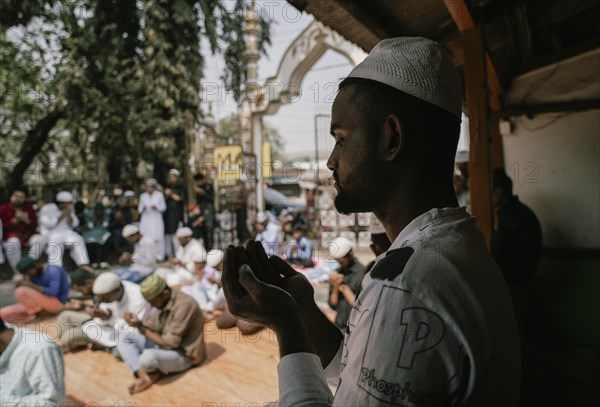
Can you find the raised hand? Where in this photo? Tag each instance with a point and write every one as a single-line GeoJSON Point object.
{"type": "Point", "coordinates": [255, 300]}
{"type": "Point", "coordinates": [252, 299]}
{"type": "Point", "coordinates": [336, 279]}
{"type": "Point", "coordinates": [132, 320]}
{"type": "Point", "coordinates": [275, 271]}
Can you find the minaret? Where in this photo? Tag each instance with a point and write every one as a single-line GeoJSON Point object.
{"type": "Point", "coordinates": [251, 123]}
{"type": "Point", "coordinates": [209, 144]}
{"type": "Point", "coordinates": [252, 54]}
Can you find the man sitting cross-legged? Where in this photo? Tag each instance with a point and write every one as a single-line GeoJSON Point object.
{"type": "Point", "coordinates": [188, 254]}
{"type": "Point", "coordinates": [42, 288]}
{"type": "Point", "coordinates": [170, 342]}
{"type": "Point", "coordinates": [116, 299]}
{"type": "Point", "coordinates": [77, 311]}
{"type": "Point", "coordinates": [142, 261]}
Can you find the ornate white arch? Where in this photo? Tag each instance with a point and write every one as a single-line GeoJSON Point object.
{"type": "Point", "coordinates": [266, 99]}
{"type": "Point", "coordinates": [299, 58]}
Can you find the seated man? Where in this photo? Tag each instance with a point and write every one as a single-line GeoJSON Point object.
{"type": "Point", "coordinates": [120, 216]}
{"type": "Point", "coordinates": [116, 298]}
{"type": "Point", "coordinates": [42, 288]}
{"type": "Point", "coordinates": [31, 369]}
{"type": "Point", "coordinates": [207, 289]}
{"type": "Point", "coordinates": [142, 261]}
{"type": "Point", "coordinates": [170, 342]}
{"type": "Point", "coordinates": [345, 281]}
{"type": "Point", "coordinates": [76, 311]}
{"type": "Point", "coordinates": [18, 221]}
{"type": "Point", "coordinates": [300, 249]}
{"type": "Point", "coordinates": [189, 252]}
{"type": "Point", "coordinates": [267, 233]}
{"type": "Point", "coordinates": [97, 236]}
{"type": "Point", "coordinates": [195, 220]}
{"type": "Point", "coordinates": [57, 223]}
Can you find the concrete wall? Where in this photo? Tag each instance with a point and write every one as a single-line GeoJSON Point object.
{"type": "Point", "coordinates": [556, 172]}
{"type": "Point", "coordinates": [554, 159]}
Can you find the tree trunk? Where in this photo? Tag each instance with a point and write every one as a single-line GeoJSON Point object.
{"type": "Point", "coordinates": [35, 140]}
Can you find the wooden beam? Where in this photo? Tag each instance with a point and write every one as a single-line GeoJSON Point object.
{"type": "Point", "coordinates": [464, 21]}
{"type": "Point", "coordinates": [347, 17]}
{"type": "Point", "coordinates": [532, 109]}
{"type": "Point", "coordinates": [479, 151]}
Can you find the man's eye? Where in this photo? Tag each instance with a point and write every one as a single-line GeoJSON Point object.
{"type": "Point", "coordinates": [339, 142]}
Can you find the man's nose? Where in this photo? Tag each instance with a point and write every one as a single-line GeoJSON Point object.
{"type": "Point", "coordinates": [332, 161]}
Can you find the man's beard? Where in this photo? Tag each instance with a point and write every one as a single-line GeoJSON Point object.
{"type": "Point", "coordinates": [347, 203]}
{"type": "Point", "coordinates": [361, 191]}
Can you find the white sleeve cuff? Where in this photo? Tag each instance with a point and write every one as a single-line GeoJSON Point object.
{"type": "Point", "coordinates": [302, 381]}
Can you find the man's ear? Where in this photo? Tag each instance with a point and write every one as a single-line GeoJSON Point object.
{"type": "Point", "coordinates": [393, 137]}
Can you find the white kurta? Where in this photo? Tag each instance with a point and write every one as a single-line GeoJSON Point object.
{"type": "Point", "coordinates": [152, 225]}
{"type": "Point", "coordinates": [187, 253]}
{"type": "Point", "coordinates": [55, 235]}
{"type": "Point", "coordinates": [179, 275]}
{"type": "Point", "coordinates": [32, 371]}
{"type": "Point", "coordinates": [269, 238]}
{"type": "Point", "coordinates": [109, 332]}
{"type": "Point", "coordinates": [48, 220]}
{"type": "Point", "coordinates": [144, 256]}
{"type": "Point", "coordinates": [209, 296]}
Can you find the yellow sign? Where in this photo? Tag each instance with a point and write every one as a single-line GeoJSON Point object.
{"type": "Point", "coordinates": [267, 164]}
{"type": "Point", "coordinates": [228, 163]}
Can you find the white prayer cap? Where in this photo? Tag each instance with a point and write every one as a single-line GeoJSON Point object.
{"type": "Point", "coordinates": [152, 182]}
{"type": "Point", "coordinates": [416, 66]}
{"type": "Point", "coordinates": [129, 194]}
{"type": "Point", "coordinates": [199, 256]}
{"type": "Point", "coordinates": [106, 283]}
{"type": "Point", "coordinates": [173, 171]}
{"type": "Point", "coordinates": [340, 247]}
{"type": "Point", "coordinates": [175, 280]}
{"type": "Point", "coordinates": [64, 196]}
{"type": "Point", "coordinates": [214, 258]}
{"type": "Point", "coordinates": [130, 230]}
{"type": "Point", "coordinates": [261, 217]}
{"type": "Point", "coordinates": [376, 227]}
{"type": "Point", "coordinates": [184, 232]}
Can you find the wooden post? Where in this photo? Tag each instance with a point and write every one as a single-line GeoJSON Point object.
{"type": "Point", "coordinates": [496, 139]}
{"type": "Point", "coordinates": [464, 21]}
{"type": "Point", "coordinates": [479, 155]}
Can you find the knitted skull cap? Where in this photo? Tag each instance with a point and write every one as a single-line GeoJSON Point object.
{"type": "Point", "coordinates": [416, 66]}
{"type": "Point", "coordinates": [152, 286]}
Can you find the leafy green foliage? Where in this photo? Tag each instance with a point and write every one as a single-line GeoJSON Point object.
{"type": "Point", "coordinates": [124, 74]}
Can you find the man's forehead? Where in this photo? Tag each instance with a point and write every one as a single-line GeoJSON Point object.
{"type": "Point", "coordinates": [343, 96]}
{"type": "Point", "coordinates": [344, 110]}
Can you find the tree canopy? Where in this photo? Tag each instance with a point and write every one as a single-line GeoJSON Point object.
{"type": "Point", "coordinates": [109, 82]}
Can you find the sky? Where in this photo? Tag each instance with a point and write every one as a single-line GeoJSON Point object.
{"type": "Point", "coordinates": [295, 121]}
